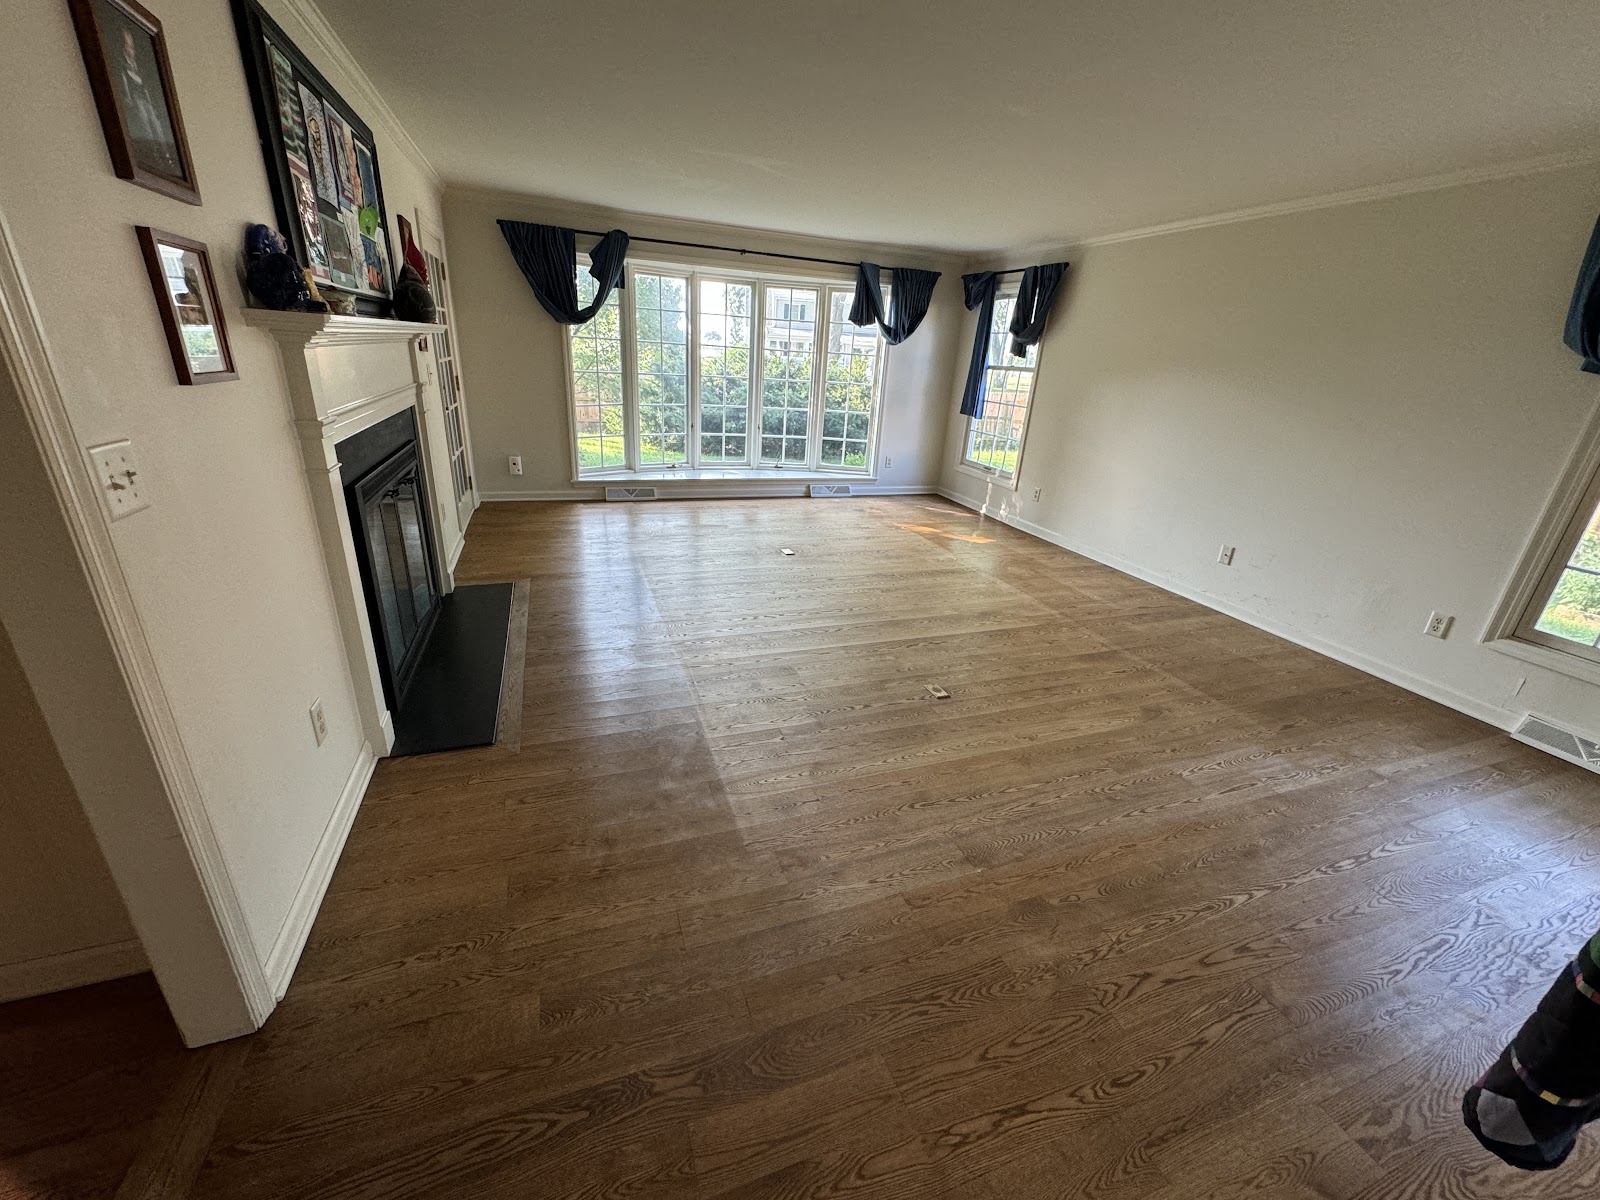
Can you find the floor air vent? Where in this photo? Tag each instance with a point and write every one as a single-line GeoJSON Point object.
{"type": "Point", "coordinates": [829, 489]}
{"type": "Point", "coordinates": [1563, 743]}
{"type": "Point", "coordinates": [630, 493]}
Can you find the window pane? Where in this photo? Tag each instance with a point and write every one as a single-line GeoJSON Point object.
{"type": "Point", "coordinates": [851, 375]}
{"type": "Point", "coordinates": [724, 350]}
{"type": "Point", "coordinates": [597, 382]}
{"type": "Point", "coordinates": [662, 344]}
{"type": "Point", "coordinates": [995, 442]}
{"type": "Point", "coordinates": [788, 349]}
{"type": "Point", "coordinates": [1573, 610]}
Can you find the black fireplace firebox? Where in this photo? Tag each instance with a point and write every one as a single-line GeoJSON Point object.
{"type": "Point", "coordinates": [387, 499]}
{"type": "Point", "coordinates": [441, 657]}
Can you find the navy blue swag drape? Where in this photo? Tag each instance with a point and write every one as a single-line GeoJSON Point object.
{"type": "Point", "coordinates": [1035, 296]}
{"type": "Point", "coordinates": [978, 289]}
{"type": "Point", "coordinates": [913, 292]}
{"type": "Point", "coordinates": [1582, 334]}
{"type": "Point", "coordinates": [548, 258]}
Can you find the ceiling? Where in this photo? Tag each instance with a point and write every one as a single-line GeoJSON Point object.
{"type": "Point", "coordinates": [974, 124]}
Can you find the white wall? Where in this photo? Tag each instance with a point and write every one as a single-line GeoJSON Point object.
{"type": "Point", "coordinates": [64, 923]}
{"type": "Point", "coordinates": [513, 356]}
{"type": "Point", "coordinates": [1371, 401]}
{"type": "Point", "coordinates": [225, 567]}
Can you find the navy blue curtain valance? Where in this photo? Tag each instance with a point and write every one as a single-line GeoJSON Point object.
{"type": "Point", "coordinates": [1582, 334]}
{"type": "Point", "coordinates": [1035, 296]}
{"type": "Point", "coordinates": [548, 258]}
{"type": "Point", "coordinates": [979, 293]}
{"type": "Point", "coordinates": [913, 291]}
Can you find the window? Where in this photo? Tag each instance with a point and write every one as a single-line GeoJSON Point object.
{"type": "Point", "coordinates": [661, 352]}
{"type": "Point", "coordinates": [1565, 611]}
{"type": "Point", "coordinates": [994, 441]}
{"type": "Point", "coordinates": [687, 369]}
{"type": "Point", "coordinates": [599, 420]}
{"type": "Point", "coordinates": [788, 362]}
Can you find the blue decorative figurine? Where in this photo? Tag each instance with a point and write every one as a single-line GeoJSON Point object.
{"type": "Point", "coordinates": [273, 276]}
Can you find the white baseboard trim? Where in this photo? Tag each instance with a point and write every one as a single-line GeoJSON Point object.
{"type": "Point", "coordinates": [291, 940]}
{"type": "Point", "coordinates": [75, 968]}
{"type": "Point", "coordinates": [454, 556]}
{"type": "Point", "coordinates": [754, 490]}
{"type": "Point", "coordinates": [1430, 689]}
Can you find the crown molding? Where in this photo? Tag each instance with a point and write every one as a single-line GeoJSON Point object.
{"type": "Point", "coordinates": [1516, 169]}
{"type": "Point", "coordinates": [554, 210]}
{"type": "Point", "coordinates": [332, 48]}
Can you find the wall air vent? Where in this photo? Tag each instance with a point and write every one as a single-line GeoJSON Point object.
{"type": "Point", "coordinates": [1563, 743]}
{"type": "Point", "coordinates": [630, 493]}
{"type": "Point", "coordinates": [829, 489]}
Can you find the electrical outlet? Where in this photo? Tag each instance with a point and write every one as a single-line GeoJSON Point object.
{"type": "Point", "coordinates": [1438, 625]}
{"type": "Point", "coordinates": [117, 473]}
{"type": "Point", "coordinates": [1225, 555]}
{"type": "Point", "coordinates": [514, 464]}
{"type": "Point", "coordinates": [888, 461]}
{"type": "Point", "coordinates": [319, 723]}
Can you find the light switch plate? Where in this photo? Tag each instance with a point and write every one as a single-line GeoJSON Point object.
{"type": "Point", "coordinates": [121, 483]}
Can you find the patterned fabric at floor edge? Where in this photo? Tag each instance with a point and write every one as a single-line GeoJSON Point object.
{"type": "Point", "coordinates": [1545, 1086]}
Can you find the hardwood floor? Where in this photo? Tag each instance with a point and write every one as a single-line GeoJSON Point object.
{"type": "Point", "coordinates": [1155, 905]}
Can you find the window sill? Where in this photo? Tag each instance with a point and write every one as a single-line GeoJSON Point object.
{"type": "Point", "coordinates": [728, 474]}
{"type": "Point", "coordinates": [1009, 482]}
{"type": "Point", "coordinates": [1551, 659]}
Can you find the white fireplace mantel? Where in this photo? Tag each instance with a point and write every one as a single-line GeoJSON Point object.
{"type": "Point", "coordinates": [346, 374]}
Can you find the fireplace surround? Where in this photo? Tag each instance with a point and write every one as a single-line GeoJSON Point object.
{"type": "Point", "coordinates": [346, 375]}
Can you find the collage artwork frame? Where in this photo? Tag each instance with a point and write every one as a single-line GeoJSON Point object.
{"type": "Point", "coordinates": [322, 163]}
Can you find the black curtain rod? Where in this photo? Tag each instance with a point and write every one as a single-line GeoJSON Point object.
{"type": "Point", "coordinates": [830, 262]}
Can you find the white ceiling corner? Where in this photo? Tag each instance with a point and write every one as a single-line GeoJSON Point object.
{"type": "Point", "coordinates": [974, 128]}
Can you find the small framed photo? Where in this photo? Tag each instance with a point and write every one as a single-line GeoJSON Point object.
{"type": "Point", "coordinates": [126, 57]}
{"type": "Point", "coordinates": [186, 294]}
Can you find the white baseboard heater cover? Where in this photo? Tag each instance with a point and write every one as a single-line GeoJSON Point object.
{"type": "Point", "coordinates": [1563, 743]}
{"type": "Point", "coordinates": [829, 489]}
{"type": "Point", "coordinates": [630, 493]}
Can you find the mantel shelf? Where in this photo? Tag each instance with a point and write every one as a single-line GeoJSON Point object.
{"type": "Point", "coordinates": [300, 330]}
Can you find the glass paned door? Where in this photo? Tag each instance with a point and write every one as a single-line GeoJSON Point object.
{"type": "Point", "coordinates": [455, 414]}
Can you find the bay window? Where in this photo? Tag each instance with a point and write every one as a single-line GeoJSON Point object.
{"type": "Point", "coordinates": [687, 369]}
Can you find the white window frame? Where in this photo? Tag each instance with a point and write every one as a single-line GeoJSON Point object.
{"type": "Point", "coordinates": [1570, 504]}
{"type": "Point", "coordinates": [1013, 479]}
{"type": "Point", "coordinates": [825, 285]}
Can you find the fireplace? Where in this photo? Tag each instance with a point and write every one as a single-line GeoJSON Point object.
{"type": "Point", "coordinates": [387, 500]}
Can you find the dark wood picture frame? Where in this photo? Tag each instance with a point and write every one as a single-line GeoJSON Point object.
{"type": "Point", "coordinates": [150, 243]}
{"type": "Point", "coordinates": [286, 88]}
{"type": "Point", "coordinates": [112, 81]}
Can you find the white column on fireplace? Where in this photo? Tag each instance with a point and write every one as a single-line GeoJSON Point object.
{"type": "Point", "coordinates": [346, 374]}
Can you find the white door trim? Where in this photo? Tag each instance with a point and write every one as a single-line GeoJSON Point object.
{"type": "Point", "coordinates": [158, 841]}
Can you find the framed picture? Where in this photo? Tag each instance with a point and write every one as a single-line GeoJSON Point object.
{"type": "Point", "coordinates": [186, 294]}
{"type": "Point", "coordinates": [322, 163]}
{"type": "Point", "coordinates": [126, 57]}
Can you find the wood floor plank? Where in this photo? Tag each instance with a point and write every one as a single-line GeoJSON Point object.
{"type": "Point", "coordinates": [1156, 904]}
